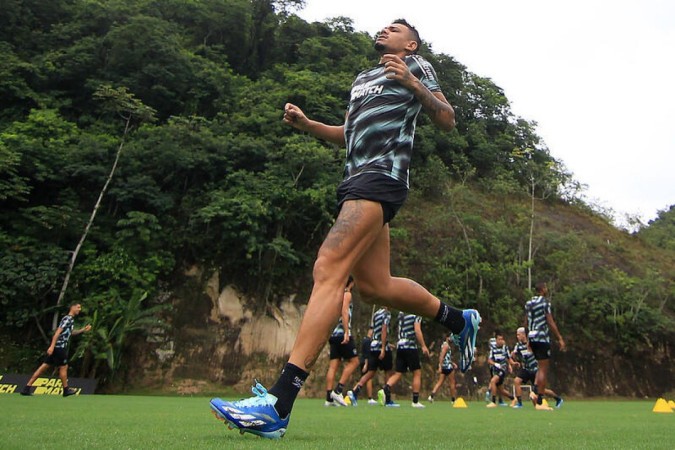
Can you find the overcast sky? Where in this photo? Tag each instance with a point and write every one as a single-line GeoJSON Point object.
{"type": "Point", "coordinates": [597, 76]}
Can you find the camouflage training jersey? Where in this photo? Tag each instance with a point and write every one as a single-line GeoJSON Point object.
{"type": "Point", "coordinates": [380, 123]}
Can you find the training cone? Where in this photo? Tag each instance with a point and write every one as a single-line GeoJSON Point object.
{"type": "Point", "coordinates": [662, 406]}
{"type": "Point", "coordinates": [671, 404]}
{"type": "Point", "coordinates": [459, 403]}
{"type": "Point", "coordinates": [544, 402]}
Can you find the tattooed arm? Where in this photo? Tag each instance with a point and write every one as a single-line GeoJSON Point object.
{"type": "Point", "coordinates": [434, 103]}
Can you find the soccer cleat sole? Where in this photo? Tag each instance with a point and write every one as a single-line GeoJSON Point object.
{"type": "Point", "coordinates": [278, 434]}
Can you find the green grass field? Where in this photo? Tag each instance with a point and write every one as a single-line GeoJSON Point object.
{"type": "Point", "coordinates": [135, 422]}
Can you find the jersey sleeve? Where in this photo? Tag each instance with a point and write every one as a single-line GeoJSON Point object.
{"type": "Point", "coordinates": [66, 322]}
{"type": "Point", "coordinates": [424, 71]}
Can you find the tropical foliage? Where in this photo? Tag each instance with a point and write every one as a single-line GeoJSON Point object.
{"type": "Point", "coordinates": [219, 182]}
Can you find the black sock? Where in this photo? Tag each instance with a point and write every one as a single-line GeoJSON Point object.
{"type": "Point", "coordinates": [494, 399]}
{"type": "Point", "coordinates": [451, 318]}
{"type": "Point", "coordinates": [416, 397]}
{"type": "Point", "coordinates": [452, 399]}
{"type": "Point", "coordinates": [387, 393]}
{"type": "Point", "coordinates": [540, 399]}
{"type": "Point", "coordinates": [520, 400]}
{"type": "Point", "coordinates": [432, 395]}
{"type": "Point", "coordinates": [356, 390]}
{"type": "Point", "coordinates": [339, 388]}
{"type": "Point", "coordinates": [287, 387]}
{"type": "Point", "coordinates": [328, 399]}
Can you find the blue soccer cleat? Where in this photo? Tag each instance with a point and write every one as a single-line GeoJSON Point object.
{"type": "Point", "coordinates": [254, 415]}
{"type": "Point", "coordinates": [559, 403]}
{"type": "Point", "coordinates": [352, 398]}
{"type": "Point", "coordinates": [466, 341]}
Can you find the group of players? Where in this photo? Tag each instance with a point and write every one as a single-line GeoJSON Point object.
{"type": "Point", "coordinates": [528, 361]}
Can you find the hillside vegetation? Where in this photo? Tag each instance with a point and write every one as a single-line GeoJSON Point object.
{"type": "Point", "coordinates": [177, 105]}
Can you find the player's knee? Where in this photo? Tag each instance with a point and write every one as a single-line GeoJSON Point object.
{"type": "Point", "coordinates": [325, 269]}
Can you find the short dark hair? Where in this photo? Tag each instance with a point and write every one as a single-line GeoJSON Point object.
{"type": "Point", "coordinates": [540, 286]}
{"type": "Point", "coordinates": [413, 30]}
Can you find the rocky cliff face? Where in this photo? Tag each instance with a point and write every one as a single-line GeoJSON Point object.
{"type": "Point", "coordinates": [215, 342]}
{"type": "Point", "coordinates": [214, 336]}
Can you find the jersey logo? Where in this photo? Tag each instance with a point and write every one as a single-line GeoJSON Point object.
{"type": "Point", "coordinates": [366, 89]}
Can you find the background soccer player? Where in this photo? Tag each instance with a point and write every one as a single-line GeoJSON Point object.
{"type": "Point", "coordinates": [407, 358]}
{"type": "Point", "coordinates": [500, 365]}
{"type": "Point", "coordinates": [539, 321]}
{"type": "Point", "coordinates": [527, 369]}
{"type": "Point", "coordinates": [363, 362]}
{"type": "Point", "coordinates": [341, 344]}
{"type": "Point", "coordinates": [380, 353]}
{"type": "Point", "coordinates": [57, 353]}
{"type": "Point", "coordinates": [446, 369]}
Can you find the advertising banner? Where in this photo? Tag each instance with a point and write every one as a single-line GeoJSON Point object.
{"type": "Point", "coordinates": [12, 384]}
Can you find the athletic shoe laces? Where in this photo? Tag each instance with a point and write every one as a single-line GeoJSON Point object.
{"type": "Point", "coordinates": [260, 398]}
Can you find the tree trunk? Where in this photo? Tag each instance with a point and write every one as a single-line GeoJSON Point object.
{"type": "Point", "coordinates": [73, 257]}
{"type": "Point", "coordinates": [529, 250]}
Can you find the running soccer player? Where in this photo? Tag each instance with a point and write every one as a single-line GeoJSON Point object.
{"type": "Point", "coordinates": [380, 352]}
{"type": "Point", "coordinates": [57, 353]}
{"type": "Point", "coordinates": [446, 369]}
{"type": "Point", "coordinates": [527, 370]}
{"type": "Point", "coordinates": [500, 364]}
{"type": "Point", "coordinates": [407, 358]}
{"type": "Point", "coordinates": [492, 344]}
{"type": "Point", "coordinates": [378, 133]}
{"type": "Point", "coordinates": [341, 343]}
{"type": "Point", "coordinates": [539, 321]}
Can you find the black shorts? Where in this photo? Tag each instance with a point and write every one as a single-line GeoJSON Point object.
{"type": "Point", "coordinates": [407, 359]}
{"type": "Point", "coordinates": [59, 357]}
{"type": "Point", "coordinates": [541, 350]}
{"type": "Point", "coordinates": [339, 350]}
{"type": "Point", "coordinates": [447, 370]}
{"type": "Point", "coordinates": [501, 373]}
{"type": "Point", "coordinates": [528, 376]}
{"type": "Point", "coordinates": [374, 361]}
{"type": "Point", "coordinates": [377, 187]}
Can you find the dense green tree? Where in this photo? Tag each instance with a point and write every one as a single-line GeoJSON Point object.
{"type": "Point", "coordinates": [661, 231]}
{"type": "Point", "coordinates": [218, 182]}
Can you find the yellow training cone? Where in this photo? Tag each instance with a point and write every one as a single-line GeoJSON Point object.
{"type": "Point", "coordinates": [459, 403]}
{"type": "Point", "coordinates": [662, 406]}
{"type": "Point", "coordinates": [671, 404]}
{"type": "Point", "coordinates": [544, 402]}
